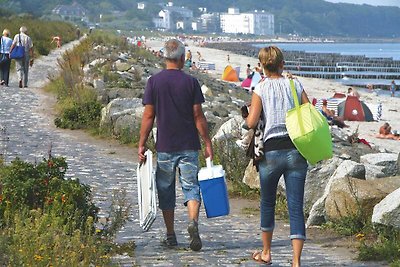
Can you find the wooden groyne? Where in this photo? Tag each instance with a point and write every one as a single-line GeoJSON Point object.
{"type": "Point", "coordinates": [352, 70]}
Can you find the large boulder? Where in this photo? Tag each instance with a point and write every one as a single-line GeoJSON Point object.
{"type": "Point", "coordinates": [349, 195]}
{"type": "Point", "coordinates": [206, 91]}
{"type": "Point", "coordinates": [387, 160]}
{"type": "Point", "coordinates": [120, 107]}
{"type": "Point", "coordinates": [99, 84]}
{"type": "Point", "coordinates": [374, 171]}
{"type": "Point", "coordinates": [251, 176]}
{"type": "Point", "coordinates": [129, 123]}
{"type": "Point", "coordinates": [96, 62]}
{"type": "Point", "coordinates": [345, 169]}
{"type": "Point", "coordinates": [122, 66]}
{"type": "Point", "coordinates": [387, 212]}
{"type": "Point", "coordinates": [219, 111]}
{"type": "Point", "coordinates": [381, 159]}
{"type": "Point", "coordinates": [230, 129]}
{"type": "Point", "coordinates": [317, 178]}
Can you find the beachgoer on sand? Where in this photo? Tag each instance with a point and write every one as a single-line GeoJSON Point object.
{"type": "Point", "coordinates": [392, 89]}
{"type": "Point", "coordinates": [281, 157]}
{"type": "Point", "coordinates": [330, 115]}
{"type": "Point", "coordinates": [249, 71]}
{"type": "Point", "coordinates": [189, 56]}
{"type": "Point", "coordinates": [385, 132]}
{"type": "Point", "coordinates": [199, 57]}
{"type": "Point", "coordinates": [258, 68]}
{"type": "Point", "coordinates": [175, 98]}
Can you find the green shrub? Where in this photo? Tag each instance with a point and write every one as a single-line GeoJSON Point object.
{"type": "Point", "coordinates": [47, 220]}
{"type": "Point", "coordinates": [384, 245]}
{"type": "Point", "coordinates": [79, 115]}
{"type": "Point", "coordinates": [39, 239]}
{"type": "Point", "coordinates": [43, 186]}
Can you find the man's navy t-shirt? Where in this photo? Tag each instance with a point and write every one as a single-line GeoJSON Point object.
{"type": "Point", "coordinates": [173, 94]}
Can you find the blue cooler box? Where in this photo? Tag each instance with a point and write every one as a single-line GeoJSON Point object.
{"type": "Point", "coordinates": [213, 190]}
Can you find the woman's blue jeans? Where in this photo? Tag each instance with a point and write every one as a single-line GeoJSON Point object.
{"type": "Point", "coordinates": [293, 167]}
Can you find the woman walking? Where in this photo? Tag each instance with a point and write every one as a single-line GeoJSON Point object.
{"type": "Point", "coordinates": [5, 45]}
{"type": "Point", "coordinates": [273, 97]}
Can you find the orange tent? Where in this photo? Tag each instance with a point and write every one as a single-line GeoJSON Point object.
{"type": "Point", "coordinates": [230, 74]}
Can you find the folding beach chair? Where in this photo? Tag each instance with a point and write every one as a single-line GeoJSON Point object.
{"type": "Point", "coordinates": [146, 192]}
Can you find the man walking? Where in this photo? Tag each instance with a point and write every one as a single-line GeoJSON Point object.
{"type": "Point", "coordinates": [27, 60]}
{"type": "Point", "coordinates": [175, 98]}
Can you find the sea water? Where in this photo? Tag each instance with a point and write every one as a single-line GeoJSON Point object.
{"type": "Point", "coordinates": [373, 50]}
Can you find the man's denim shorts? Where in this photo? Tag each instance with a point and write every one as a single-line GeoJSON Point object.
{"type": "Point", "coordinates": [188, 166]}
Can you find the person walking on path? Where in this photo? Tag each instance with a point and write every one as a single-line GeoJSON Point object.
{"type": "Point", "coordinates": [56, 39]}
{"type": "Point", "coordinates": [175, 98]}
{"type": "Point", "coordinates": [24, 63]}
{"type": "Point", "coordinates": [5, 45]}
{"type": "Point", "coordinates": [273, 97]}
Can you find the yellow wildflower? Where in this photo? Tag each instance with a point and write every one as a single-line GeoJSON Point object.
{"type": "Point", "coordinates": [360, 236]}
{"type": "Point", "coordinates": [38, 258]}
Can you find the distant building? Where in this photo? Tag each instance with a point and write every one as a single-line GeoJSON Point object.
{"type": "Point", "coordinates": [141, 5]}
{"type": "Point", "coordinates": [257, 22]}
{"type": "Point", "coordinates": [210, 22]}
{"type": "Point", "coordinates": [170, 15]}
{"type": "Point", "coordinates": [74, 11]}
{"type": "Point", "coordinates": [195, 26]}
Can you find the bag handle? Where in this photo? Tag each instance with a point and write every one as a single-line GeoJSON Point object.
{"type": "Point", "coordinates": [297, 107]}
{"type": "Point", "coordinates": [209, 163]}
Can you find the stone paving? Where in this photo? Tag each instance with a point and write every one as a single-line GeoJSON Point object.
{"type": "Point", "coordinates": [227, 241]}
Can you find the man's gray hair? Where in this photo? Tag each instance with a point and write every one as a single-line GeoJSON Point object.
{"type": "Point", "coordinates": [173, 49]}
{"type": "Point", "coordinates": [23, 29]}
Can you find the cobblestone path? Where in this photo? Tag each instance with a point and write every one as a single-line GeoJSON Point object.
{"type": "Point", "coordinates": [227, 241]}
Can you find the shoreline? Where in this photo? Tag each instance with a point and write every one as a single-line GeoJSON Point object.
{"type": "Point", "coordinates": [315, 88]}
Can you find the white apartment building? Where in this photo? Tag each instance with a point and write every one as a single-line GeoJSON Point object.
{"type": "Point", "coordinates": [169, 16]}
{"type": "Point", "coordinates": [257, 22]}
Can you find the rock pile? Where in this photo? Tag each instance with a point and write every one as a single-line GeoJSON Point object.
{"type": "Point", "coordinates": [119, 79]}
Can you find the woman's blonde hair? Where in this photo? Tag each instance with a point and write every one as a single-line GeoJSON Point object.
{"type": "Point", "coordinates": [6, 32]}
{"type": "Point", "coordinates": [270, 58]}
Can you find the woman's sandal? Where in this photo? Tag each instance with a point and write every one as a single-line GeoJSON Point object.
{"type": "Point", "coordinates": [257, 256]}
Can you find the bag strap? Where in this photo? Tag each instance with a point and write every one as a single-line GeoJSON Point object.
{"type": "Point", "coordinates": [297, 106]}
{"type": "Point", "coordinates": [19, 36]}
{"type": "Point", "coordinates": [294, 94]}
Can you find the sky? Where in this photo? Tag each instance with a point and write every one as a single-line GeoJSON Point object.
{"type": "Point", "coordinates": [369, 2]}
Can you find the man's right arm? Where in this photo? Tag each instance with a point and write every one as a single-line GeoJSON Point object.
{"type": "Point", "coordinates": [202, 128]}
{"type": "Point", "coordinates": [147, 125]}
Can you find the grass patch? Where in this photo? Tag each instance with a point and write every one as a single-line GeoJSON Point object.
{"type": "Point", "coordinates": [382, 243]}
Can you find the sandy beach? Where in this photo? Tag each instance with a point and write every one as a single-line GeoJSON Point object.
{"type": "Point", "coordinates": [315, 88]}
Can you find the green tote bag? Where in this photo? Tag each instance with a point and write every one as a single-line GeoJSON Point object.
{"type": "Point", "coordinates": [308, 130]}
